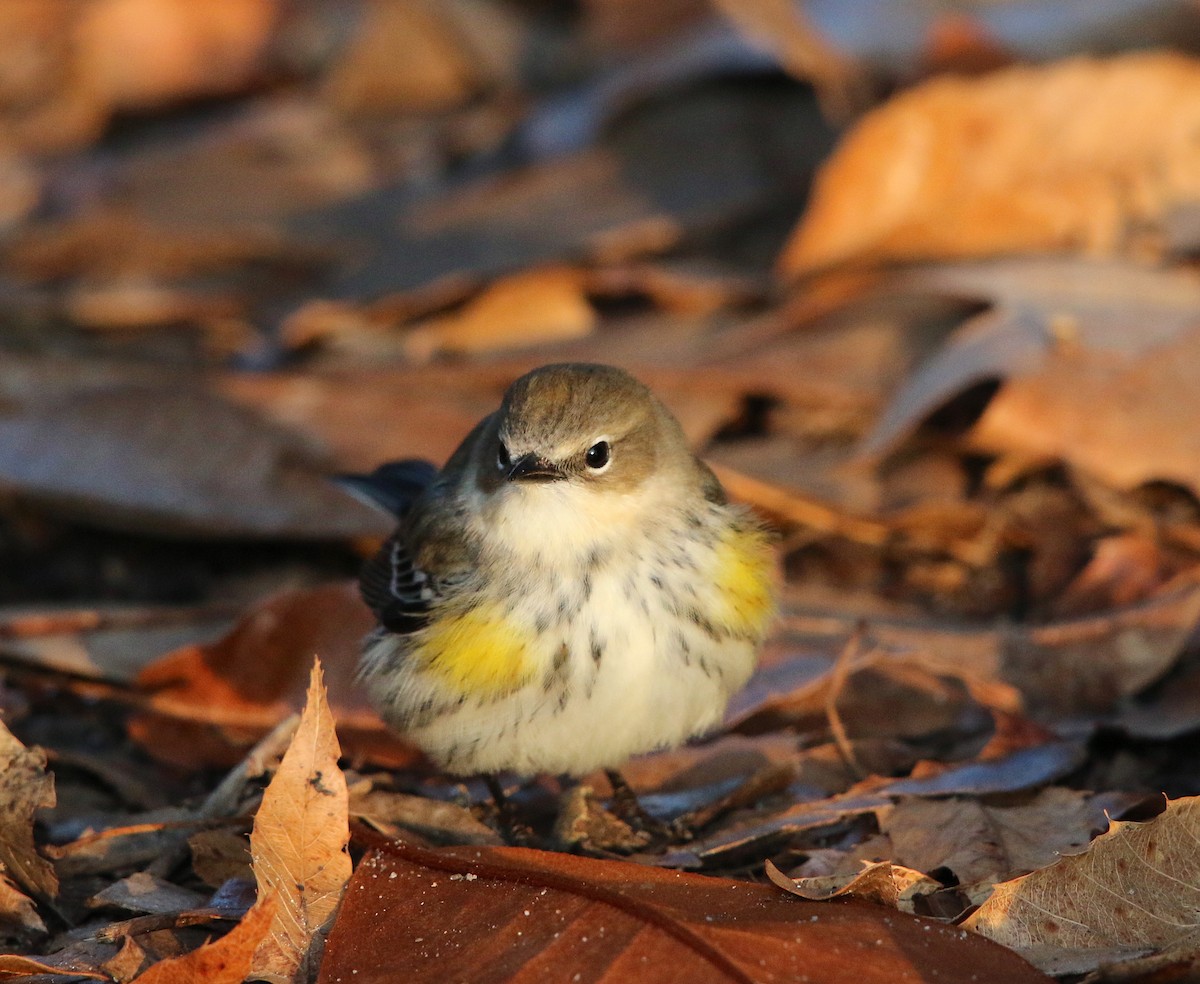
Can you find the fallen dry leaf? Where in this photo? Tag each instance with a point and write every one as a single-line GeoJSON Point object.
{"type": "Point", "coordinates": [1070, 666]}
{"type": "Point", "coordinates": [25, 787]}
{"type": "Point", "coordinates": [174, 459]}
{"type": "Point", "coordinates": [15, 966]}
{"type": "Point", "coordinates": [494, 915]}
{"type": "Point", "coordinates": [802, 50]}
{"type": "Point", "coordinates": [298, 844]}
{"type": "Point", "coordinates": [536, 306]}
{"type": "Point", "coordinates": [136, 54]}
{"type": "Point", "coordinates": [1040, 311]}
{"type": "Point", "coordinates": [980, 840]}
{"type": "Point", "coordinates": [130, 960]}
{"type": "Point", "coordinates": [227, 961]}
{"type": "Point", "coordinates": [1135, 890]}
{"type": "Point", "coordinates": [1086, 154]}
{"type": "Point", "coordinates": [881, 882]}
{"type": "Point", "coordinates": [18, 916]}
{"type": "Point", "coordinates": [442, 66]}
{"type": "Point", "coordinates": [1124, 421]}
{"type": "Point", "coordinates": [209, 703]}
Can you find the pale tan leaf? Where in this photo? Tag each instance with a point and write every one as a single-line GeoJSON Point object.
{"type": "Point", "coordinates": [1137, 889]}
{"type": "Point", "coordinates": [881, 882]}
{"type": "Point", "coordinates": [298, 844]}
{"type": "Point", "coordinates": [227, 961]}
{"type": "Point", "coordinates": [25, 787]}
{"type": "Point", "coordinates": [1078, 155]}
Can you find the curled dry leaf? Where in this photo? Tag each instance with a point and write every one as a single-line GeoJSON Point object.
{"type": "Point", "coordinates": [227, 961]}
{"type": "Point", "coordinates": [25, 787]}
{"type": "Point", "coordinates": [299, 843]}
{"type": "Point", "coordinates": [1135, 890]}
{"type": "Point", "coordinates": [494, 915]}
{"type": "Point", "coordinates": [881, 882]}
{"type": "Point", "coordinates": [1077, 155]}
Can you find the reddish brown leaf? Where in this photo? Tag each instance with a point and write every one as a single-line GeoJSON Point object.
{"type": "Point", "coordinates": [210, 703]}
{"type": "Point", "coordinates": [503, 914]}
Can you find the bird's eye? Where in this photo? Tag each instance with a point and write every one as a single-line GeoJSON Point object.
{"type": "Point", "coordinates": [598, 456]}
{"type": "Point", "coordinates": [503, 461]}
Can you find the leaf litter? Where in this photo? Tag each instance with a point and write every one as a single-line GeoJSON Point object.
{"type": "Point", "coordinates": [342, 254]}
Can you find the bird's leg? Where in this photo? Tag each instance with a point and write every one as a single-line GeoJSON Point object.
{"type": "Point", "coordinates": [511, 828]}
{"type": "Point", "coordinates": [628, 807]}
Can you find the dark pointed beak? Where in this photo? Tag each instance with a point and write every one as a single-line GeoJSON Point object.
{"type": "Point", "coordinates": [534, 468]}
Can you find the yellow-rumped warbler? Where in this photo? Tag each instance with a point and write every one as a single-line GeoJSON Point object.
{"type": "Point", "coordinates": [571, 589]}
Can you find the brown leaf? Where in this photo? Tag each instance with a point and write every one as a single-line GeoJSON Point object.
{"type": "Point", "coordinates": [13, 965]}
{"type": "Point", "coordinates": [506, 914]}
{"type": "Point", "coordinates": [25, 787]}
{"type": "Point", "coordinates": [299, 844]}
{"type": "Point", "coordinates": [533, 307]}
{"type": "Point", "coordinates": [1078, 155]}
{"type": "Point", "coordinates": [211, 702]}
{"type": "Point", "coordinates": [142, 53]}
{"type": "Point", "coordinates": [881, 882]}
{"type": "Point", "coordinates": [1043, 311]}
{"type": "Point", "coordinates": [1137, 889]}
{"type": "Point", "coordinates": [144, 457]}
{"type": "Point", "coordinates": [227, 961]}
{"type": "Point", "coordinates": [1126, 421]}
{"type": "Point", "coordinates": [980, 840]}
{"type": "Point", "coordinates": [440, 69]}
{"type": "Point", "coordinates": [1070, 666]}
{"type": "Point", "coordinates": [128, 963]}
{"type": "Point", "coordinates": [17, 913]}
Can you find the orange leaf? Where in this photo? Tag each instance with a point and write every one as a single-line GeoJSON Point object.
{"type": "Point", "coordinates": [227, 961]}
{"type": "Point", "coordinates": [1070, 156]}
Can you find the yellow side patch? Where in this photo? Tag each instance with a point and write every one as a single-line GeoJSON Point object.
{"type": "Point", "coordinates": [478, 653]}
{"type": "Point", "coordinates": [744, 582]}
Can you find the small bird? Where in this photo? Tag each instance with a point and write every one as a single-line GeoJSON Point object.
{"type": "Point", "coordinates": [572, 589]}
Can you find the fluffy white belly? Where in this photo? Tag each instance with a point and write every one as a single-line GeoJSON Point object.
{"type": "Point", "coordinates": [636, 676]}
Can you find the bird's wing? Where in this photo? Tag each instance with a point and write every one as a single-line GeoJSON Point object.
{"type": "Point", "coordinates": [395, 589]}
{"type": "Point", "coordinates": [429, 555]}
